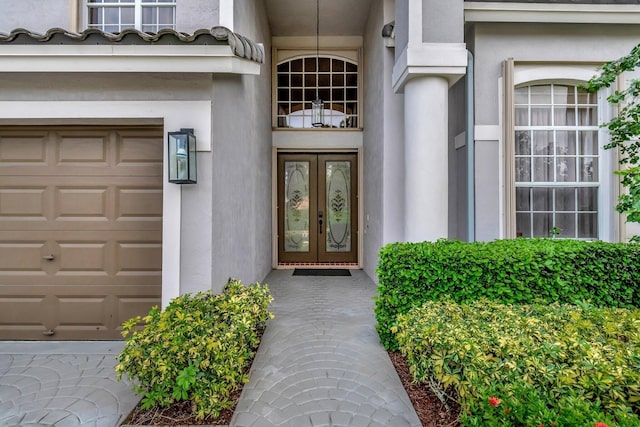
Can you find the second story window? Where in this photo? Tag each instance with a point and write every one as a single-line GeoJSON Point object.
{"type": "Point", "coordinates": [114, 16]}
{"type": "Point", "coordinates": [336, 82]}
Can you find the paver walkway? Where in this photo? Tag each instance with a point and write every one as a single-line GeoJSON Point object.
{"type": "Point", "coordinates": [62, 384]}
{"type": "Point", "coordinates": [320, 362]}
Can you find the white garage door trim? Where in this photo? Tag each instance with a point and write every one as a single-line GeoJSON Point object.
{"type": "Point", "coordinates": [175, 115]}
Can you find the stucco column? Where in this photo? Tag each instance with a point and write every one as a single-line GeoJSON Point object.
{"type": "Point", "coordinates": [426, 158]}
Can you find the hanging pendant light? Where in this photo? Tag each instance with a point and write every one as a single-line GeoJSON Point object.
{"type": "Point", "coordinates": [317, 106]}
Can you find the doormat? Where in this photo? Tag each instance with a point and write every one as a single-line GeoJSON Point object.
{"type": "Point", "coordinates": [321, 272]}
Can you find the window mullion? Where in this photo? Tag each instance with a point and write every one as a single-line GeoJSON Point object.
{"type": "Point", "coordinates": [138, 14]}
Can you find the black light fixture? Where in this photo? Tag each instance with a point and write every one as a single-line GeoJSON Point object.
{"type": "Point", "coordinates": [182, 157]}
{"type": "Point", "coordinates": [317, 106]}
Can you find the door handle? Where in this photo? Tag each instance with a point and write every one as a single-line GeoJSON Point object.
{"type": "Point", "coordinates": [49, 257]}
{"type": "Point", "coordinates": [320, 214]}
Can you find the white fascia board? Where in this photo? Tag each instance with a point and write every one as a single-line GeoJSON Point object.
{"type": "Point", "coordinates": [551, 13]}
{"type": "Point", "coordinates": [124, 58]}
{"type": "Point", "coordinates": [174, 114]}
{"type": "Point", "coordinates": [448, 60]}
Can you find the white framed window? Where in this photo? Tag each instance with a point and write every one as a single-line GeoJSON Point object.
{"type": "Point", "coordinates": [334, 79]}
{"type": "Point", "coordinates": [558, 161]}
{"type": "Point", "coordinates": [114, 16]}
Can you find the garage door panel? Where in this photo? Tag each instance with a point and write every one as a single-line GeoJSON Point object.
{"type": "Point", "coordinates": [25, 315]}
{"type": "Point", "coordinates": [139, 149]}
{"type": "Point", "coordinates": [138, 204]}
{"type": "Point", "coordinates": [82, 150]}
{"type": "Point", "coordinates": [80, 230]}
{"type": "Point", "coordinates": [83, 258]}
{"type": "Point", "coordinates": [138, 257]}
{"type": "Point", "coordinates": [132, 307]}
{"type": "Point", "coordinates": [23, 203]}
{"type": "Point", "coordinates": [74, 312]}
{"type": "Point", "coordinates": [24, 150]}
{"type": "Point", "coordinates": [84, 203]}
{"type": "Point", "coordinates": [19, 257]}
{"type": "Point", "coordinates": [81, 311]}
{"type": "Point", "coordinates": [21, 310]}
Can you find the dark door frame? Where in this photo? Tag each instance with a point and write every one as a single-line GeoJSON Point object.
{"type": "Point", "coordinates": [318, 216]}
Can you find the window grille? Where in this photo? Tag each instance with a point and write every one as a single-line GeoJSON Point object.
{"type": "Point", "coordinates": [556, 161]}
{"type": "Point", "coordinates": [337, 83]}
{"type": "Point", "coordinates": [114, 16]}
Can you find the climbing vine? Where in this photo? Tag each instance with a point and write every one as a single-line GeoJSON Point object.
{"type": "Point", "coordinates": [624, 129]}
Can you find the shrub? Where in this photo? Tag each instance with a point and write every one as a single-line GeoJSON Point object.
{"type": "Point", "coordinates": [510, 271]}
{"type": "Point", "coordinates": [197, 349]}
{"type": "Point", "coordinates": [528, 365]}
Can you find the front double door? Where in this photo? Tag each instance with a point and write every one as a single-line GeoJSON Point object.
{"type": "Point", "coordinates": [317, 208]}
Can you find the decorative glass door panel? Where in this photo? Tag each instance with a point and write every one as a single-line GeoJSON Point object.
{"type": "Point", "coordinates": [296, 207]}
{"type": "Point", "coordinates": [338, 206]}
{"type": "Point", "coordinates": [317, 208]}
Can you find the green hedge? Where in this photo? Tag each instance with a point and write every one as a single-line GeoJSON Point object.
{"type": "Point", "coordinates": [528, 365]}
{"type": "Point", "coordinates": [510, 271]}
{"type": "Point", "coordinates": [197, 349]}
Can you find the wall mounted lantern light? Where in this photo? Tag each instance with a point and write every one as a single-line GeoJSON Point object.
{"type": "Point", "coordinates": [317, 106]}
{"type": "Point", "coordinates": [182, 157]}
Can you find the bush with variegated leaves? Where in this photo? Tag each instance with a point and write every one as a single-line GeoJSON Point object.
{"type": "Point", "coordinates": [528, 365]}
{"type": "Point", "coordinates": [197, 349]}
{"type": "Point", "coordinates": [517, 271]}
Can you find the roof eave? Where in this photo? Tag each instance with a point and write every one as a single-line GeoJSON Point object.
{"type": "Point", "coordinates": [551, 13]}
{"type": "Point", "coordinates": [125, 58]}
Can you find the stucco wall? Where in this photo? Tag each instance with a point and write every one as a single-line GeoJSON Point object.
{"type": "Point", "coordinates": [241, 162]}
{"type": "Point", "coordinates": [383, 142]}
{"type": "Point", "coordinates": [632, 229]}
{"type": "Point", "coordinates": [373, 137]}
{"type": "Point", "coordinates": [193, 15]}
{"type": "Point", "coordinates": [402, 26]}
{"type": "Point", "coordinates": [103, 87]}
{"type": "Point", "coordinates": [487, 190]}
{"type": "Point", "coordinates": [493, 43]}
{"type": "Point", "coordinates": [394, 195]}
{"type": "Point", "coordinates": [457, 163]}
{"type": "Point", "coordinates": [41, 15]}
{"type": "Point", "coordinates": [537, 42]}
{"type": "Point", "coordinates": [442, 21]}
{"type": "Point", "coordinates": [34, 15]}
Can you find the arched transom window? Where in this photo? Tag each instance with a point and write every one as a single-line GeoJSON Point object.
{"type": "Point", "coordinates": [334, 80]}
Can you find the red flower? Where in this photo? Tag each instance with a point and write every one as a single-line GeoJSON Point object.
{"type": "Point", "coordinates": [494, 401]}
{"type": "Point", "coordinates": [601, 425]}
{"type": "Point", "coordinates": [507, 410]}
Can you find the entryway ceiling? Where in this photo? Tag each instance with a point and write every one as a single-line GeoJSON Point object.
{"type": "Point", "coordinates": [298, 17]}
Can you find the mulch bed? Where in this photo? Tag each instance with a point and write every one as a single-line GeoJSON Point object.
{"type": "Point", "coordinates": [430, 409]}
{"type": "Point", "coordinates": [179, 414]}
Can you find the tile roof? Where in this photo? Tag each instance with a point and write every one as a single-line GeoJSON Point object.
{"type": "Point", "coordinates": [240, 45]}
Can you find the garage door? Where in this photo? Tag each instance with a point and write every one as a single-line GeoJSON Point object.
{"type": "Point", "coordinates": [80, 229]}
